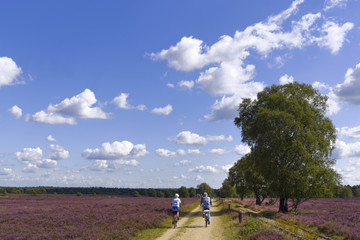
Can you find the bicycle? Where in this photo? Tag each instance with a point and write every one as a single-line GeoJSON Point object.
{"type": "Point", "coordinates": [206, 213]}
{"type": "Point", "coordinates": [175, 217]}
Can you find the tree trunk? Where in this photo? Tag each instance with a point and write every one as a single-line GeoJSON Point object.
{"type": "Point", "coordinates": [242, 197]}
{"type": "Point", "coordinates": [258, 200]}
{"type": "Point", "coordinates": [283, 206]}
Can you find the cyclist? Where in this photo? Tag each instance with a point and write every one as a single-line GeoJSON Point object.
{"type": "Point", "coordinates": [206, 202]}
{"type": "Point", "coordinates": [176, 205]}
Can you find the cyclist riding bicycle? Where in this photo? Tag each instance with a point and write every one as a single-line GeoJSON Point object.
{"type": "Point", "coordinates": [175, 203]}
{"type": "Point", "coordinates": [206, 203]}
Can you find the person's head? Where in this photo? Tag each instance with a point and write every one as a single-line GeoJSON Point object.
{"type": "Point", "coordinates": [176, 195]}
{"type": "Point", "coordinates": [205, 194]}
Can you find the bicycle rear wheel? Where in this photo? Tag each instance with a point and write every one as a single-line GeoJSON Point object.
{"type": "Point", "coordinates": [175, 220]}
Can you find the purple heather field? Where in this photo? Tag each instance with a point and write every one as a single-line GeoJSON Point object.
{"type": "Point", "coordinates": [80, 217]}
{"type": "Point", "coordinates": [332, 216]}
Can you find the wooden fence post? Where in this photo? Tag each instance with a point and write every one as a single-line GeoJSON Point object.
{"type": "Point", "coordinates": [240, 217]}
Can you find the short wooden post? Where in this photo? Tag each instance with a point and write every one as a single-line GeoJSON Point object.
{"type": "Point", "coordinates": [229, 207]}
{"type": "Point", "coordinates": [240, 217]}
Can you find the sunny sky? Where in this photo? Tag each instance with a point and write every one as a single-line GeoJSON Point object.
{"type": "Point", "coordinates": [144, 93]}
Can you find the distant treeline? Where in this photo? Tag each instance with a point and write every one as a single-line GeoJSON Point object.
{"type": "Point", "coordinates": [136, 192]}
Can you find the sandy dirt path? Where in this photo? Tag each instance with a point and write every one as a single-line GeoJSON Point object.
{"type": "Point", "coordinates": [192, 226]}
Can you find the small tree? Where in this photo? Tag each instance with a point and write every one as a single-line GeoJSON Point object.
{"type": "Point", "coordinates": [227, 189]}
{"type": "Point", "coordinates": [151, 192]}
{"type": "Point", "coordinates": [135, 194]}
{"type": "Point", "coordinates": [183, 192]}
{"type": "Point", "coordinates": [345, 192]}
{"type": "Point", "coordinates": [192, 192]}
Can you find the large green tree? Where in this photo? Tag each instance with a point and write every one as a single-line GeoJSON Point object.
{"type": "Point", "coordinates": [291, 140]}
{"type": "Point", "coordinates": [204, 187]}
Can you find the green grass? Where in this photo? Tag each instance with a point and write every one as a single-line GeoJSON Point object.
{"type": "Point", "coordinates": [152, 233]}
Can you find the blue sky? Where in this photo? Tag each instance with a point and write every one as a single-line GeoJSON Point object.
{"type": "Point", "coordinates": [143, 93]}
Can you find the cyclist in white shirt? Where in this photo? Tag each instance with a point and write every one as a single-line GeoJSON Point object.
{"type": "Point", "coordinates": [176, 205]}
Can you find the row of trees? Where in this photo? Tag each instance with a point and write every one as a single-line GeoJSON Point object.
{"type": "Point", "coordinates": [291, 142]}
{"type": "Point", "coordinates": [136, 192]}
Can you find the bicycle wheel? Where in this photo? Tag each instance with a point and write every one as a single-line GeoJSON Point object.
{"type": "Point", "coordinates": [175, 220]}
{"type": "Point", "coordinates": [206, 219]}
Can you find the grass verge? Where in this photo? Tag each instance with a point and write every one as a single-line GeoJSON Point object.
{"type": "Point", "coordinates": [153, 233]}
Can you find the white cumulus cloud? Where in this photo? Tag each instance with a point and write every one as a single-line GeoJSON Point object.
{"type": "Point", "coordinates": [242, 149]}
{"type": "Point", "coordinates": [163, 110]}
{"type": "Point", "coordinates": [187, 137]}
{"type": "Point", "coordinates": [217, 151]}
{"type": "Point", "coordinates": [66, 112]}
{"type": "Point", "coordinates": [16, 111]}
{"type": "Point", "coordinates": [58, 152]}
{"type": "Point", "coordinates": [9, 72]}
{"type": "Point", "coordinates": [202, 168]}
{"type": "Point", "coordinates": [5, 171]}
{"type": "Point", "coordinates": [353, 132]}
{"type": "Point", "coordinates": [30, 154]}
{"type": "Point", "coordinates": [334, 35]}
{"type": "Point", "coordinates": [349, 90]}
{"type": "Point", "coordinates": [186, 84]}
{"type": "Point", "coordinates": [285, 79]}
{"type": "Point", "coordinates": [225, 72]}
{"type": "Point", "coordinates": [51, 138]}
{"type": "Point", "coordinates": [121, 102]}
{"type": "Point", "coordinates": [116, 151]}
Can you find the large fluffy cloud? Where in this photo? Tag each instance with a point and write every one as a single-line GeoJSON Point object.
{"type": "Point", "coordinates": [116, 151]}
{"type": "Point", "coordinates": [9, 71]}
{"type": "Point", "coordinates": [228, 74]}
{"type": "Point", "coordinates": [349, 90]}
{"type": "Point", "coordinates": [66, 112]}
{"type": "Point", "coordinates": [187, 137]}
{"type": "Point", "coordinates": [33, 157]}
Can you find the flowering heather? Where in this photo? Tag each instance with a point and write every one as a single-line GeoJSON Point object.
{"type": "Point", "coordinates": [332, 216]}
{"type": "Point", "coordinates": [85, 217]}
{"type": "Point", "coordinates": [266, 234]}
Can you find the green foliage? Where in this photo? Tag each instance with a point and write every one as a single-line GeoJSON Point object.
{"type": "Point", "coordinates": [192, 192]}
{"type": "Point", "coordinates": [3, 191]}
{"type": "Point", "coordinates": [246, 177]}
{"type": "Point", "coordinates": [204, 187]}
{"type": "Point", "coordinates": [151, 192]}
{"type": "Point", "coordinates": [136, 194]}
{"type": "Point", "coordinates": [227, 189]}
{"type": "Point", "coordinates": [251, 226]}
{"type": "Point", "coordinates": [160, 194]}
{"type": "Point", "coordinates": [79, 194]}
{"type": "Point", "coordinates": [345, 192]}
{"type": "Point", "coordinates": [291, 140]}
{"type": "Point", "coordinates": [357, 192]}
{"type": "Point", "coordinates": [183, 192]}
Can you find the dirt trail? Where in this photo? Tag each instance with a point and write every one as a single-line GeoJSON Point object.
{"type": "Point", "coordinates": [192, 226]}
